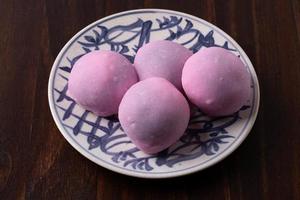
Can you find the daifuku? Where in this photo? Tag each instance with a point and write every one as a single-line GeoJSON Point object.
{"type": "Point", "coordinates": [99, 80]}
{"type": "Point", "coordinates": [217, 81]}
{"type": "Point", "coordinates": [154, 114]}
{"type": "Point", "coordinates": [163, 59]}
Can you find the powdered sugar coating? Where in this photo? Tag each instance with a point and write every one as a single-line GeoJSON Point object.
{"type": "Point", "coordinates": [154, 114]}
{"type": "Point", "coordinates": [163, 59]}
{"type": "Point", "coordinates": [216, 81]}
{"type": "Point", "coordinates": [99, 80]}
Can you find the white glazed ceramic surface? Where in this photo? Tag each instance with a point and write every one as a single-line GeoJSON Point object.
{"type": "Point", "coordinates": [102, 140]}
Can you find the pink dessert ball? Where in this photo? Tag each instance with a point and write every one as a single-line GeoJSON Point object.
{"type": "Point", "coordinates": [154, 114]}
{"type": "Point", "coordinates": [163, 59]}
{"type": "Point", "coordinates": [99, 80]}
{"type": "Point", "coordinates": [216, 81]}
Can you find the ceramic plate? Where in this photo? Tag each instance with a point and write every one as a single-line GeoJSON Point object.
{"type": "Point", "coordinates": [102, 140]}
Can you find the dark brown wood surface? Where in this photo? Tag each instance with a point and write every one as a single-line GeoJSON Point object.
{"type": "Point", "coordinates": [36, 162]}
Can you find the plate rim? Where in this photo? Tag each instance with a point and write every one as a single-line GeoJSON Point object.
{"type": "Point", "coordinates": [139, 174]}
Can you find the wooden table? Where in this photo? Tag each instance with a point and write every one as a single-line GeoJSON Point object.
{"type": "Point", "coordinates": [36, 162]}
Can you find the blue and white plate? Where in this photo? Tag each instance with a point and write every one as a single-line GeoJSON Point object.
{"type": "Point", "coordinates": [102, 140]}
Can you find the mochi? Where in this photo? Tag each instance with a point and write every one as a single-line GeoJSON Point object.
{"type": "Point", "coordinates": [99, 80]}
{"type": "Point", "coordinates": [163, 59]}
{"type": "Point", "coordinates": [217, 81]}
{"type": "Point", "coordinates": [154, 114]}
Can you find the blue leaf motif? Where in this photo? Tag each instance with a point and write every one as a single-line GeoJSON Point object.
{"type": "Point", "coordinates": [216, 146]}
{"type": "Point", "coordinates": [116, 157]}
{"type": "Point", "coordinates": [110, 125]}
{"type": "Point", "coordinates": [124, 49]}
{"type": "Point", "coordinates": [89, 39]}
{"type": "Point", "coordinates": [188, 25]}
{"type": "Point", "coordinates": [112, 47]}
{"type": "Point", "coordinates": [225, 45]}
{"type": "Point", "coordinates": [87, 50]}
{"type": "Point", "coordinates": [172, 35]}
{"type": "Point", "coordinates": [141, 165]}
{"type": "Point", "coordinates": [94, 141]}
{"type": "Point", "coordinates": [179, 30]}
{"type": "Point", "coordinates": [147, 166]}
{"type": "Point", "coordinates": [66, 69]}
{"type": "Point", "coordinates": [207, 149]}
{"type": "Point", "coordinates": [130, 58]}
{"type": "Point", "coordinates": [97, 37]}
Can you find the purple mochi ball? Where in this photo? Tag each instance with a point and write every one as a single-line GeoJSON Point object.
{"type": "Point", "coordinates": [99, 80]}
{"type": "Point", "coordinates": [154, 114]}
{"type": "Point", "coordinates": [163, 59]}
{"type": "Point", "coordinates": [216, 81]}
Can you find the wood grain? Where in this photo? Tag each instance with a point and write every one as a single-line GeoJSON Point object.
{"type": "Point", "coordinates": [36, 162]}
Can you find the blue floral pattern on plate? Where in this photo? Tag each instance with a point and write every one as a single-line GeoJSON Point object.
{"type": "Point", "coordinates": [103, 138]}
